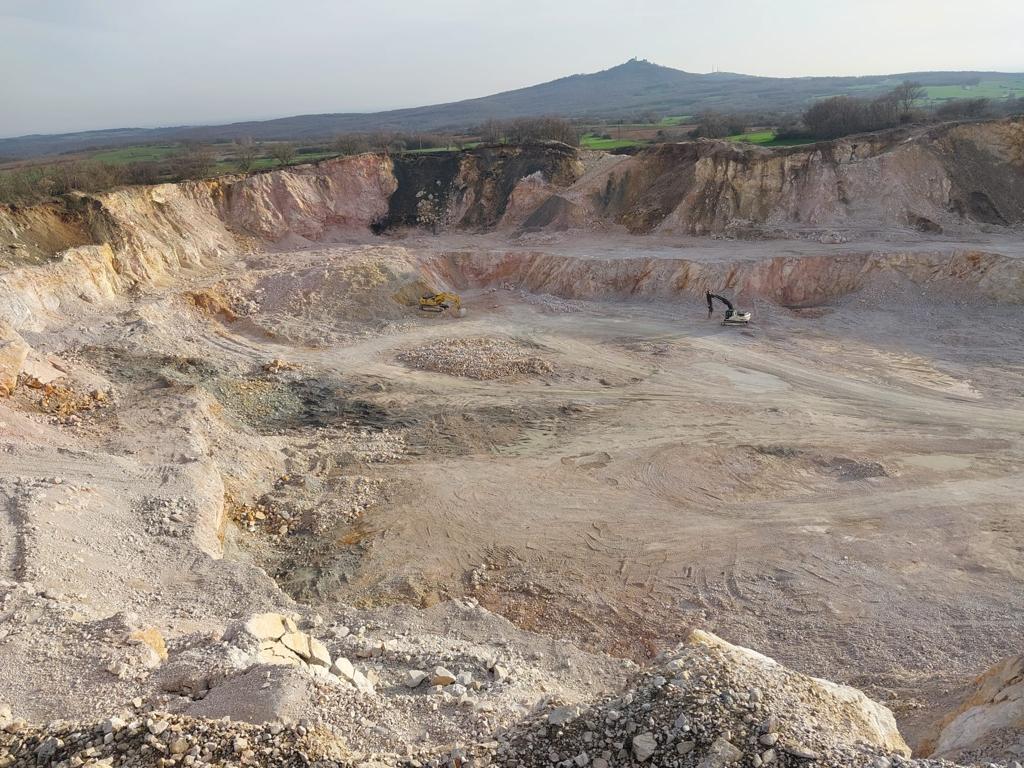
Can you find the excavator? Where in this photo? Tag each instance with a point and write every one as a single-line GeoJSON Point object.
{"type": "Point", "coordinates": [732, 315]}
{"type": "Point", "coordinates": [439, 302]}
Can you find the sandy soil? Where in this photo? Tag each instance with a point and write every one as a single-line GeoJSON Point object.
{"type": "Point", "coordinates": [837, 487]}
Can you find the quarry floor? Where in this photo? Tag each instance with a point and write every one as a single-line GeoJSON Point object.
{"type": "Point", "coordinates": [836, 487]}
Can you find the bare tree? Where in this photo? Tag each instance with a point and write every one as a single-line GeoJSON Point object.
{"type": "Point", "coordinates": [964, 109]}
{"type": "Point", "coordinates": [143, 172]}
{"type": "Point", "coordinates": [844, 115]}
{"type": "Point", "coordinates": [714, 125]}
{"type": "Point", "coordinates": [194, 162]}
{"type": "Point", "coordinates": [350, 144]}
{"type": "Point", "coordinates": [526, 129]}
{"type": "Point", "coordinates": [907, 94]}
{"type": "Point", "coordinates": [246, 154]}
{"type": "Point", "coordinates": [381, 142]}
{"type": "Point", "coordinates": [492, 132]}
{"type": "Point", "coordinates": [283, 152]}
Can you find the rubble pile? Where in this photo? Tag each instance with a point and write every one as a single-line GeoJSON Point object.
{"type": "Point", "coordinates": [477, 357]}
{"type": "Point", "coordinates": [708, 704]}
{"type": "Point", "coordinates": [161, 739]}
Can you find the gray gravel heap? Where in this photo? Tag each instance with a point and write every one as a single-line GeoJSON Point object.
{"type": "Point", "coordinates": [707, 704]}
{"type": "Point", "coordinates": [165, 740]}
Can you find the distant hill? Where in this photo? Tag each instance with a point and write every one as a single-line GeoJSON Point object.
{"type": "Point", "coordinates": [629, 89]}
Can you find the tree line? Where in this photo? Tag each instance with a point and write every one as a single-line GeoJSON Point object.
{"type": "Point", "coordinates": [32, 182]}
{"type": "Point", "coordinates": [840, 116]}
{"type": "Point", "coordinates": [528, 129]}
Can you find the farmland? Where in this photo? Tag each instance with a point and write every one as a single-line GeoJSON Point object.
{"type": "Point", "coordinates": [1011, 86]}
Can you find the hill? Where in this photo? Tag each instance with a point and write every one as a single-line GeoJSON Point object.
{"type": "Point", "coordinates": [626, 90]}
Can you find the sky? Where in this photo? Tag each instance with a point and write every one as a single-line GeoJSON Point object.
{"type": "Point", "coordinates": [72, 65]}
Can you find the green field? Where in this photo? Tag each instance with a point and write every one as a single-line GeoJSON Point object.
{"type": "Point", "coordinates": [226, 163]}
{"type": "Point", "coordinates": [429, 150]}
{"type": "Point", "coordinates": [229, 165]}
{"type": "Point", "coordinates": [754, 137]}
{"type": "Point", "coordinates": [986, 89]}
{"type": "Point", "coordinates": [590, 141]}
{"type": "Point", "coordinates": [141, 153]}
{"type": "Point", "coordinates": [450, 148]}
{"type": "Point", "coordinates": [767, 139]}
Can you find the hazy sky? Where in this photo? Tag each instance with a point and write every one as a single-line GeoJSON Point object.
{"type": "Point", "coordinates": [80, 64]}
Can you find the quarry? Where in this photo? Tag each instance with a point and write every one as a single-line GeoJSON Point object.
{"type": "Point", "coordinates": [257, 508]}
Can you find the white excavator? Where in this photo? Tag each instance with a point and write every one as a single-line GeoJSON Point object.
{"type": "Point", "coordinates": [732, 315]}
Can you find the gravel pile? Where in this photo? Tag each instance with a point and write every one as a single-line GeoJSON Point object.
{"type": "Point", "coordinates": [707, 704]}
{"type": "Point", "coordinates": [163, 740]}
{"type": "Point", "coordinates": [710, 705]}
{"type": "Point", "coordinates": [477, 357]}
{"type": "Point", "coordinates": [553, 303]}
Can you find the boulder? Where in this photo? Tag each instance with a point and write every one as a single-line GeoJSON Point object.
{"type": "Point", "coordinates": [720, 754]}
{"type": "Point", "coordinates": [318, 654]}
{"type": "Point", "coordinates": [298, 643]}
{"type": "Point", "coordinates": [152, 638]}
{"type": "Point", "coordinates": [343, 668]}
{"type": "Point", "coordinates": [41, 370]}
{"type": "Point", "coordinates": [362, 683]}
{"type": "Point", "coordinates": [563, 715]}
{"type": "Point", "coordinates": [414, 677]}
{"type": "Point", "coordinates": [441, 676]}
{"type": "Point", "coordinates": [644, 745]}
{"type": "Point", "coordinates": [275, 653]}
{"type": "Point", "coordinates": [13, 351]}
{"type": "Point", "coordinates": [254, 697]}
{"type": "Point", "coordinates": [269, 626]}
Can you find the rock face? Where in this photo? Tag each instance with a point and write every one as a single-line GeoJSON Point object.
{"type": "Point", "coordinates": [944, 179]}
{"type": "Point", "coordinates": [988, 723]}
{"type": "Point", "coordinates": [344, 192]}
{"type": "Point", "coordinates": [941, 178]}
{"type": "Point", "coordinates": [114, 240]}
{"type": "Point", "coordinates": [473, 189]}
{"type": "Point", "coordinates": [794, 281]}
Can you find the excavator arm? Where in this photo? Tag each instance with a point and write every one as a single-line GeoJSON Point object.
{"type": "Point", "coordinates": [732, 315]}
{"type": "Point", "coordinates": [729, 309]}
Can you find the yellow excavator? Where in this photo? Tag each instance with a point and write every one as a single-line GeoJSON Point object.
{"type": "Point", "coordinates": [439, 302]}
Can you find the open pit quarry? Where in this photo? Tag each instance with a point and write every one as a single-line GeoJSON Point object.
{"type": "Point", "coordinates": [256, 508]}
